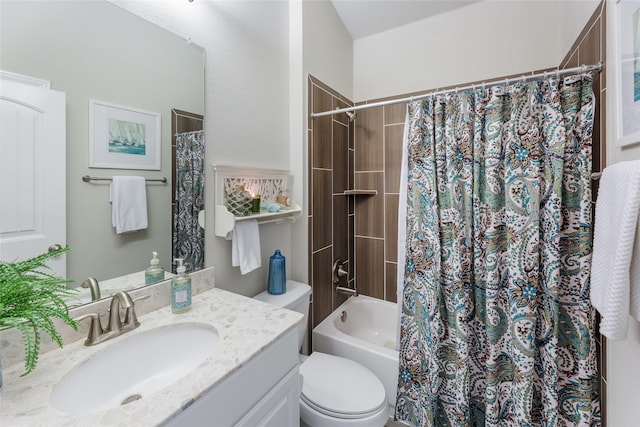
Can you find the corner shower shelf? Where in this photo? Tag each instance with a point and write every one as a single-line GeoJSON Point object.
{"type": "Point", "coordinates": [268, 183]}
{"type": "Point", "coordinates": [359, 192]}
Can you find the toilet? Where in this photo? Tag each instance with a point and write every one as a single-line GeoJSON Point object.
{"type": "Point", "coordinates": [334, 391]}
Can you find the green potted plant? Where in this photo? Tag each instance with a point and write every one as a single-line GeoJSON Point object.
{"type": "Point", "coordinates": [29, 301]}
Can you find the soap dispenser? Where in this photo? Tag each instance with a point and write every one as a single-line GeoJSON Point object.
{"type": "Point", "coordinates": [154, 273]}
{"type": "Point", "coordinates": [180, 289]}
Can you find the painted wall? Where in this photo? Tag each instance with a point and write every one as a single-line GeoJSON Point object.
{"type": "Point", "coordinates": [573, 15]}
{"type": "Point", "coordinates": [299, 269]}
{"type": "Point", "coordinates": [97, 50]}
{"type": "Point", "coordinates": [247, 105]}
{"type": "Point", "coordinates": [481, 41]}
{"type": "Point", "coordinates": [328, 48]}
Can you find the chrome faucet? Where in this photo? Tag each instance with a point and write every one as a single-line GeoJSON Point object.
{"type": "Point", "coordinates": [122, 299]}
{"type": "Point", "coordinates": [116, 326]}
{"type": "Point", "coordinates": [339, 272]}
{"type": "Point", "coordinates": [348, 291]}
{"type": "Point", "coordinates": [92, 284]}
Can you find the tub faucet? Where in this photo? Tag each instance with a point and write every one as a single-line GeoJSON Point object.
{"type": "Point", "coordinates": [338, 271]}
{"type": "Point", "coordinates": [348, 291]}
{"type": "Point", "coordinates": [92, 284]}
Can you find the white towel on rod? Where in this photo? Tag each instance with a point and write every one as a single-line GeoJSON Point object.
{"type": "Point", "coordinates": [615, 269]}
{"type": "Point", "coordinates": [128, 197]}
{"type": "Point", "coordinates": [245, 246]}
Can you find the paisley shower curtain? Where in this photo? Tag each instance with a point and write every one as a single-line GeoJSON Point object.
{"type": "Point", "coordinates": [496, 327]}
{"type": "Point", "coordinates": [188, 236]}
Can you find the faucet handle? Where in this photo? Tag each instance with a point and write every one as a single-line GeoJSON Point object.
{"type": "Point", "coordinates": [95, 328]}
{"type": "Point", "coordinates": [135, 300]}
{"type": "Point", "coordinates": [130, 317]}
{"type": "Point", "coordinates": [338, 270]}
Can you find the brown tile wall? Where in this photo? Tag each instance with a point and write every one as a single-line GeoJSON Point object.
{"type": "Point", "coordinates": [362, 229]}
{"type": "Point", "coordinates": [378, 154]}
{"type": "Point", "coordinates": [331, 221]}
{"type": "Point", "coordinates": [590, 48]}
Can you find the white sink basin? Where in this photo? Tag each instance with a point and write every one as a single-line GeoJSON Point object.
{"type": "Point", "coordinates": [133, 368]}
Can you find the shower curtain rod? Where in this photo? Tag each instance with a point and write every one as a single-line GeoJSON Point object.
{"type": "Point", "coordinates": [524, 78]}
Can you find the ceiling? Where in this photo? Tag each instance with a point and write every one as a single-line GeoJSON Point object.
{"type": "Point", "coordinates": [366, 17]}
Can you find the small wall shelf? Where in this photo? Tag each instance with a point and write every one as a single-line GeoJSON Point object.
{"type": "Point", "coordinates": [359, 192]}
{"type": "Point", "coordinates": [269, 183]}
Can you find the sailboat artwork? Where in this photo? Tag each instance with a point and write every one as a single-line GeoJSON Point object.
{"type": "Point", "coordinates": [126, 137]}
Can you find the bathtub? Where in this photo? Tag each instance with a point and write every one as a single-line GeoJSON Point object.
{"type": "Point", "coordinates": [367, 335]}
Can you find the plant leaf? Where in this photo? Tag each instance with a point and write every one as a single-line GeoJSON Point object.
{"type": "Point", "coordinates": [30, 299]}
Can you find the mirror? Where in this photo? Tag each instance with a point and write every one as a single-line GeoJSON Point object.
{"type": "Point", "coordinates": [97, 50]}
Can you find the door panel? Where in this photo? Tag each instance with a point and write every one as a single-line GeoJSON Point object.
{"type": "Point", "coordinates": [32, 172]}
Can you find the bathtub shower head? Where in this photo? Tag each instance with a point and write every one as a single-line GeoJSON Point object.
{"type": "Point", "coordinates": [351, 114]}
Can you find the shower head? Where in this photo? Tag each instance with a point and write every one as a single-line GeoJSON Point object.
{"type": "Point", "coordinates": [351, 114]}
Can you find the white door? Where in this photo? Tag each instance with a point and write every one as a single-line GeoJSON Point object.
{"type": "Point", "coordinates": [32, 172]}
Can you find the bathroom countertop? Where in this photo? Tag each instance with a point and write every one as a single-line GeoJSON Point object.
{"type": "Point", "coordinates": [245, 326]}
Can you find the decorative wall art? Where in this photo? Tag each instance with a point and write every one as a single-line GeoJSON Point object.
{"type": "Point", "coordinates": [123, 137]}
{"type": "Point", "coordinates": [627, 63]}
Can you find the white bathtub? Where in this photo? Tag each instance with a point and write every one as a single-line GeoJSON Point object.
{"type": "Point", "coordinates": [367, 336]}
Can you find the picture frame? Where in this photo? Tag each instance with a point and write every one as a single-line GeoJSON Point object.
{"type": "Point", "coordinates": [627, 71]}
{"type": "Point", "coordinates": [122, 137]}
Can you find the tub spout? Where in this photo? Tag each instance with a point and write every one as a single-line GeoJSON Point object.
{"type": "Point", "coordinates": [347, 291]}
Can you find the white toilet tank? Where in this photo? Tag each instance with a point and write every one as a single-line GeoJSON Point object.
{"type": "Point", "coordinates": [296, 298]}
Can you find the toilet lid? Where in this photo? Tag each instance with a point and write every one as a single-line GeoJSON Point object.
{"type": "Point", "coordinates": [340, 387]}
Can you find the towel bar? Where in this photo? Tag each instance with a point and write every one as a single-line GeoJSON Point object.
{"type": "Point", "coordinates": [88, 178]}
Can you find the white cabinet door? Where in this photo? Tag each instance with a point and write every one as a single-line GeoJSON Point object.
{"type": "Point", "coordinates": [32, 172]}
{"type": "Point", "coordinates": [279, 408]}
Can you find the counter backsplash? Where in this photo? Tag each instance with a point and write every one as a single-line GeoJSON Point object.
{"type": "Point", "coordinates": [12, 346]}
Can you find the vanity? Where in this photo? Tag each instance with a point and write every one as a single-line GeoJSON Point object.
{"type": "Point", "coordinates": [248, 376]}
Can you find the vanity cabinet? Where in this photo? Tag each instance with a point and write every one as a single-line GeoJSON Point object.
{"type": "Point", "coordinates": [280, 407]}
{"type": "Point", "coordinates": [263, 392]}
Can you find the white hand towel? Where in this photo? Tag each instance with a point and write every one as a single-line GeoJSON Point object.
{"type": "Point", "coordinates": [615, 269]}
{"type": "Point", "coordinates": [245, 246]}
{"type": "Point", "coordinates": [128, 197]}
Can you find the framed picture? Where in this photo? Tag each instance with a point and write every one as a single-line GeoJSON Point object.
{"type": "Point", "coordinates": [627, 71]}
{"type": "Point", "coordinates": [123, 137]}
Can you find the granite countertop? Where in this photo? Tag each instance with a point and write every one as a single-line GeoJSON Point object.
{"type": "Point", "coordinates": [245, 327]}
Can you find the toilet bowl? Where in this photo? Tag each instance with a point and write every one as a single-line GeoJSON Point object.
{"type": "Point", "coordinates": [335, 391]}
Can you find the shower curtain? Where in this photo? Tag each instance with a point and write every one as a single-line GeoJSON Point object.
{"type": "Point", "coordinates": [496, 327]}
{"type": "Point", "coordinates": [188, 236]}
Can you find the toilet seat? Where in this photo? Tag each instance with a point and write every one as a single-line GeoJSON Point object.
{"type": "Point", "coordinates": [340, 388]}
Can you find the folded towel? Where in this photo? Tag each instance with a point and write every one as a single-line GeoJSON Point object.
{"type": "Point", "coordinates": [245, 246]}
{"type": "Point", "coordinates": [615, 269]}
{"type": "Point", "coordinates": [128, 197]}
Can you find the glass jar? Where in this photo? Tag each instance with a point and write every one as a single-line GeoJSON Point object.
{"type": "Point", "coordinates": [239, 202]}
